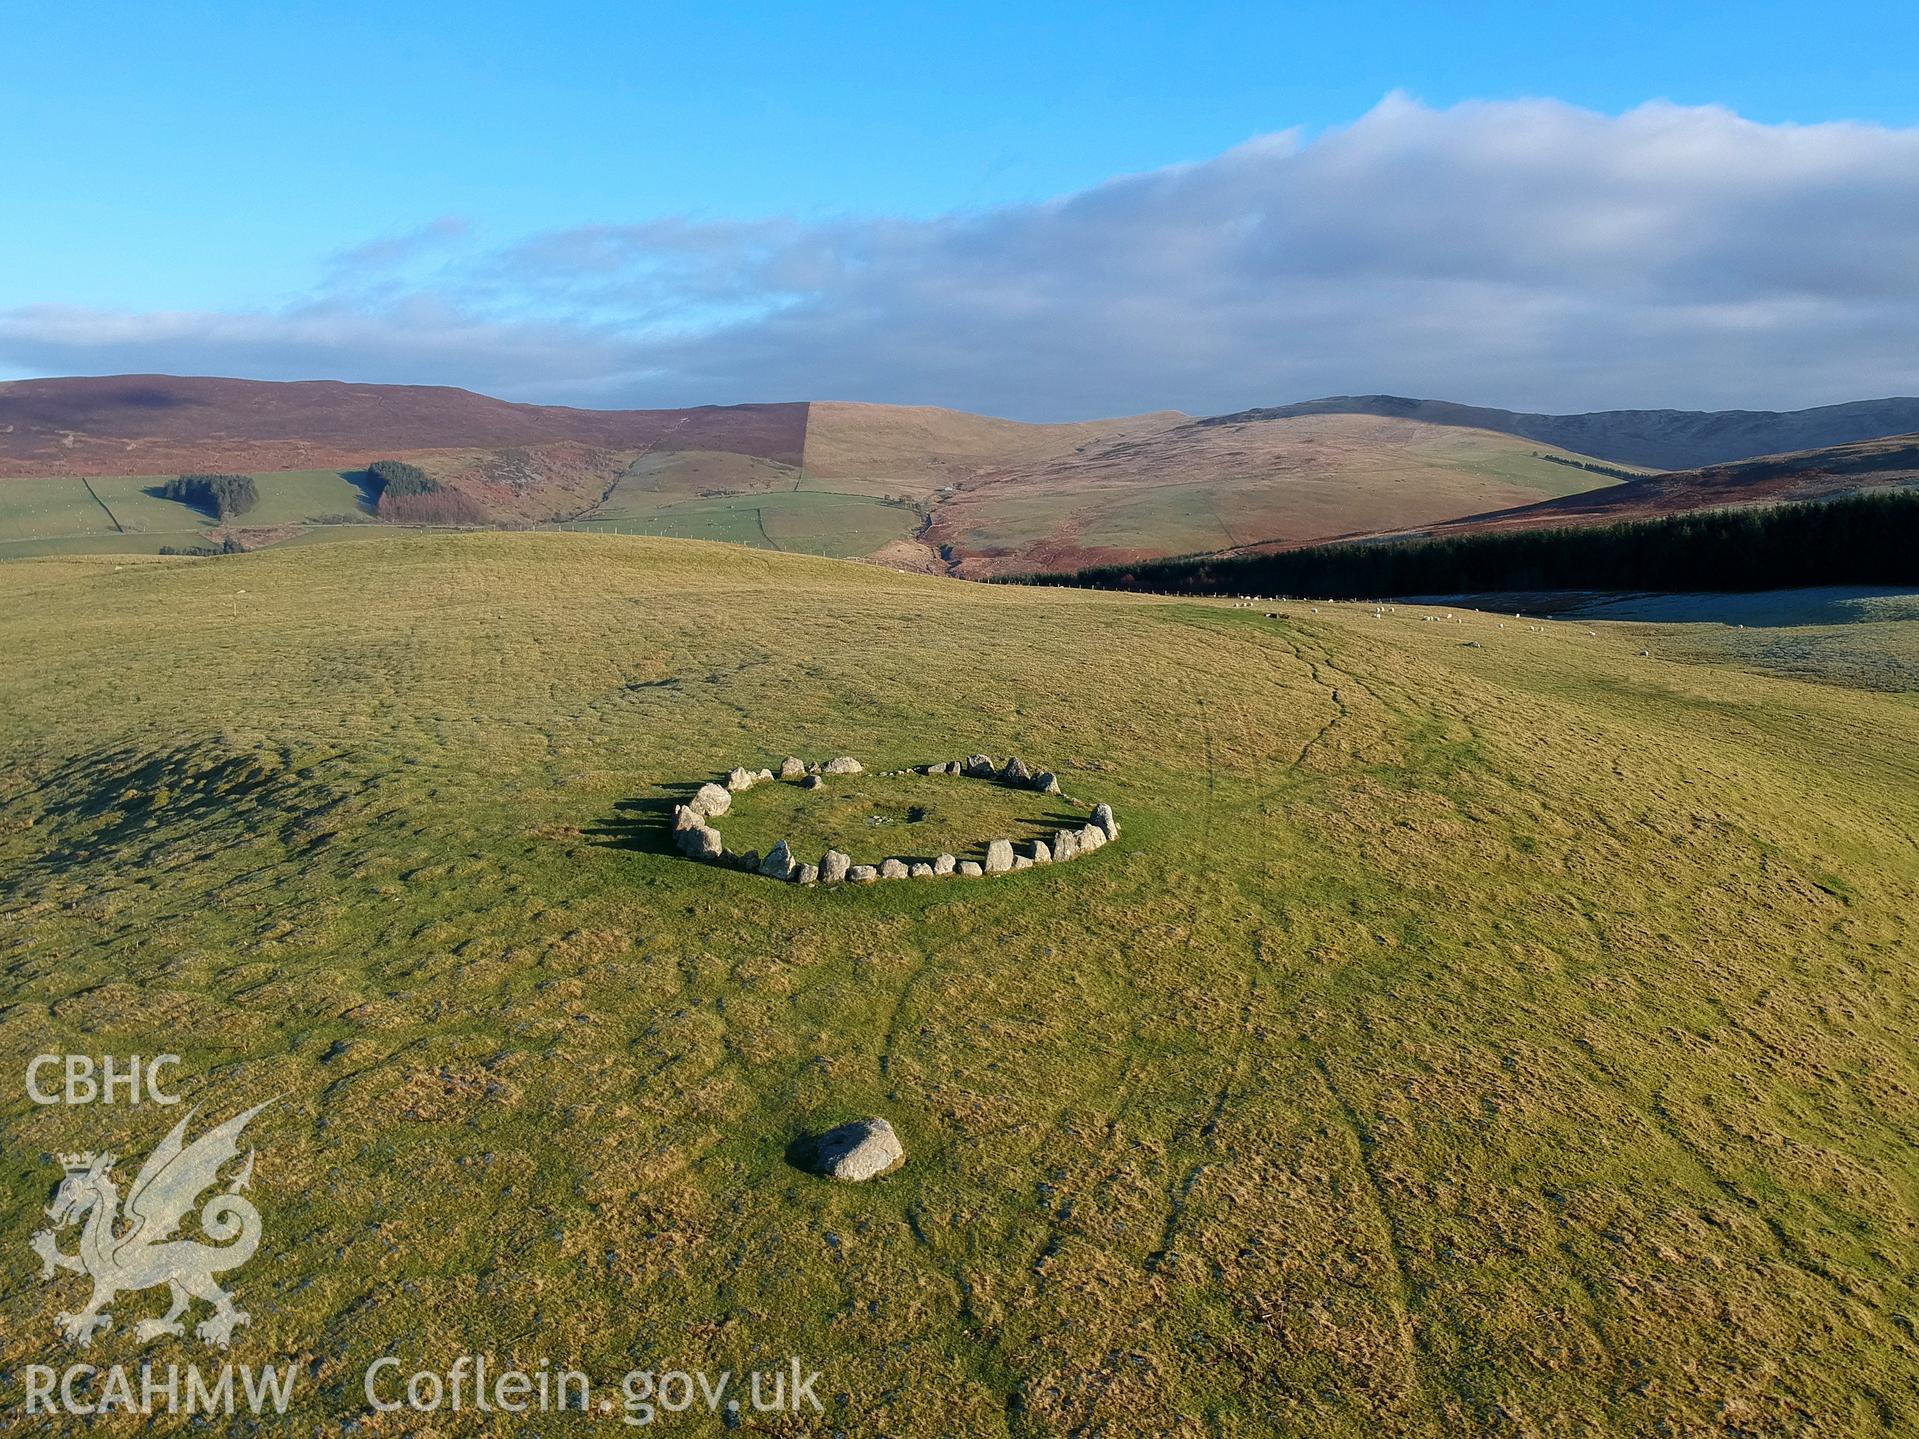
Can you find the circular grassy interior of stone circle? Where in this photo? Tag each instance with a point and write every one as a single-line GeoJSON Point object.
{"type": "Point", "coordinates": [909, 817]}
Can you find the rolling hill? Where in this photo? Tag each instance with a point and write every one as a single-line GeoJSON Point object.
{"type": "Point", "coordinates": [1196, 485]}
{"type": "Point", "coordinates": [151, 424]}
{"type": "Point", "coordinates": [1891, 463]}
{"type": "Point", "coordinates": [1653, 439]}
{"type": "Point", "coordinates": [912, 487]}
{"type": "Point", "coordinates": [1842, 515]}
{"type": "Point", "coordinates": [1502, 1038]}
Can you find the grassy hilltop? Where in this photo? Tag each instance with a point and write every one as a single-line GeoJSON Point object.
{"type": "Point", "coordinates": [1513, 1039]}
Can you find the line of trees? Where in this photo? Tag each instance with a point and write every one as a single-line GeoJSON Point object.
{"type": "Point", "coordinates": [1860, 539]}
{"type": "Point", "coordinates": [1592, 465]}
{"type": "Point", "coordinates": [229, 546]}
{"type": "Point", "coordinates": [222, 496]}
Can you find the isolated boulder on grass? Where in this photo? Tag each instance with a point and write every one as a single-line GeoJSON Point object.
{"type": "Point", "coordinates": [862, 1150]}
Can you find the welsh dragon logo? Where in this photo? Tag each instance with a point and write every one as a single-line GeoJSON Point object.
{"type": "Point", "coordinates": [137, 1250]}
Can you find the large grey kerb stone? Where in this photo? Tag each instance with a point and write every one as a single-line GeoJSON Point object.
{"type": "Point", "coordinates": [864, 1149]}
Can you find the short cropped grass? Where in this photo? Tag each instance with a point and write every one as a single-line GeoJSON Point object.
{"type": "Point", "coordinates": [1511, 1039]}
{"type": "Point", "coordinates": [805, 522]}
{"type": "Point", "coordinates": [910, 817]}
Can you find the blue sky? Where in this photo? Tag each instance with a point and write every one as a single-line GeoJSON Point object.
{"type": "Point", "coordinates": [219, 161]}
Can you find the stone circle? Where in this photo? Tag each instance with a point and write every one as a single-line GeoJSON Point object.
{"type": "Point", "coordinates": [696, 837]}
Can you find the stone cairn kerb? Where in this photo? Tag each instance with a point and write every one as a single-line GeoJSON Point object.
{"type": "Point", "coordinates": [697, 837]}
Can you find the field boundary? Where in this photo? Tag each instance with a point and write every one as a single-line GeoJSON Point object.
{"type": "Point", "coordinates": [118, 528]}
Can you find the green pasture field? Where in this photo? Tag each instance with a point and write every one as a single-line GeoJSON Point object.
{"type": "Point", "coordinates": [298, 497]}
{"type": "Point", "coordinates": [46, 509]}
{"type": "Point", "coordinates": [1519, 466]}
{"type": "Point", "coordinates": [1472, 1030]}
{"type": "Point", "coordinates": [658, 480]}
{"type": "Point", "coordinates": [124, 514]}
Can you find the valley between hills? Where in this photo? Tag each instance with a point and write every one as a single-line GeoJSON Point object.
{"type": "Point", "coordinates": [913, 488]}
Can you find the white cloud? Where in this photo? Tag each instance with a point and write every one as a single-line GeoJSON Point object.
{"type": "Point", "coordinates": [1522, 253]}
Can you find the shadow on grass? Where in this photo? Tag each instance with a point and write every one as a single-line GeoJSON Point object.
{"type": "Point", "coordinates": [369, 486]}
{"type": "Point", "coordinates": [643, 826]}
{"type": "Point", "coordinates": [1022, 833]}
{"type": "Point", "coordinates": [206, 512]}
{"type": "Point", "coordinates": [803, 1152]}
{"type": "Point", "coordinates": [815, 1153]}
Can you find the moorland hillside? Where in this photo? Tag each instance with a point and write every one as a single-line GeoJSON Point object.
{"type": "Point", "coordinates": [1652, 439]}
{"type": "Point", "coordinates": [912, 487]}
{"type": "Point", "coordinates": [1863, 467]}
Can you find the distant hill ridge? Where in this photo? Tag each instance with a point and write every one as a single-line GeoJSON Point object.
{"type": "Point", "coordinates": [52, 418]}
{"type": "Point", "coordinates": [80, 424]}
{"type": "Point", "coordinates": [913, 487]}
{"type": "Point", "coordinates": [120, 424]}
{"type": "Point", "coordinates": [1659, 439]}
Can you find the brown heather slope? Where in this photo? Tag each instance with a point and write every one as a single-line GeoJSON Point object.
{"type": "Point", "coordinates": [153, 424]}
{"type": "Point", "coordinates": [920, 448]}
{"type": "Point", "coordinates": [1891, 463]}
{"type": "Point", "coordinates": [1201, 485]}
{"type": "Point", "coordinates": [1004, 497]}
{"type": "Point", "coordinates": [968, 494]}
